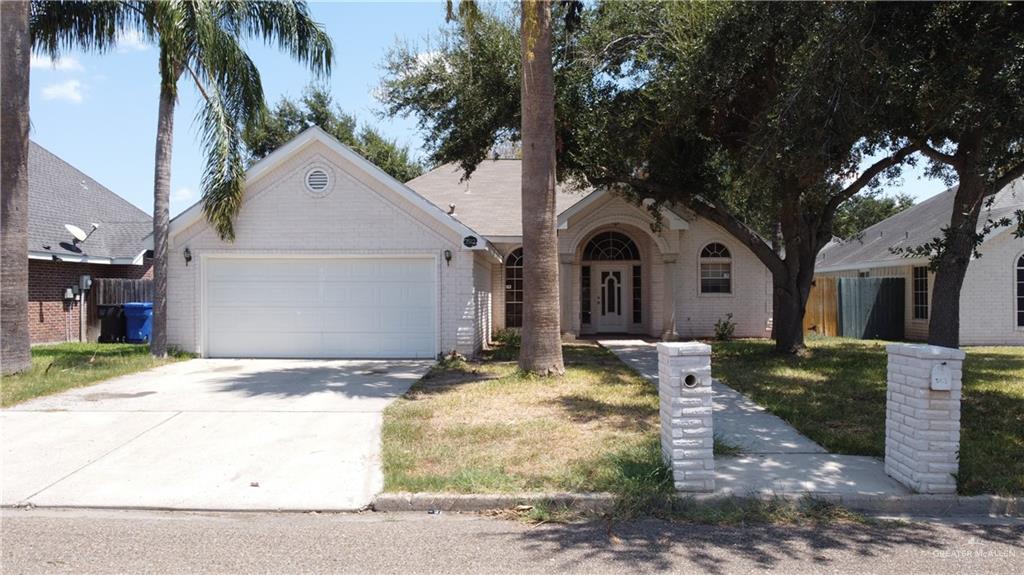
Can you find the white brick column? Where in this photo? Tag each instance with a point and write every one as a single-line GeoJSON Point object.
{"type": "Point", "coordinates": [687, 435]}
{"type": "Point", "coordinates": [922, 416]}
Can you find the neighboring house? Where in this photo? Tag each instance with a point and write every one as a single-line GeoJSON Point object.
{"type": "Point", "coordinates": [992, 298]}
{"type": "Point", "coordinates": [59, 194]}
{"type": "Point", "coordinates": [334, 258]}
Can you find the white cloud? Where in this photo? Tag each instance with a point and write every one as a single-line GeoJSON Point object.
{"type": "Point", "coordinates": [131, 41]}
{"type": "Point", "coordinates": [64, 64]}
{"type": "Point", "coordinates": [70, 91]}
{"type": "Point", "coordinates": [183, 194]}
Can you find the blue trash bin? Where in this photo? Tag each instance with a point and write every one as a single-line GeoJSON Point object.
{"type": "Point", "coordinates": [138, 319]}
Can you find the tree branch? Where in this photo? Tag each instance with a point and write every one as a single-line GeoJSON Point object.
{"type": "Point", "coordinates": [708, 211]}
{"type": "Point", "coordinates": [870, 174]}
{"type": "Point", "coordinates": [1008, 177]}
{"type": "Point", "coordinates": [933, 154]}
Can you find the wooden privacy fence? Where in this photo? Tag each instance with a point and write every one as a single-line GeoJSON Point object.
{"type": "Point", "coordinates": [115, 291]}
{"type": "Point", "coordinates": [822, 315]}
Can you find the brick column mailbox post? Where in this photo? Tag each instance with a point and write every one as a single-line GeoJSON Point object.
{"type": "Point", "coordinates": [687, 434]}
{"type": "Point", "coordinates": [922, 416]}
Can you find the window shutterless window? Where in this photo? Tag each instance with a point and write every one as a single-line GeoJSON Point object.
{"type": "Point", "coordinates": [514, 289]}
{"type": "Point", "coordinates": [715, 269]}
{"type": "Point", "coordinates": [1020, 292]}
{"type": "Point", "coordinates": [920, 292]}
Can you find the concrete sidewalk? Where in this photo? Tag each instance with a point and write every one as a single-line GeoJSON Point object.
{"type": "Point", "coordinates": [776, 457]}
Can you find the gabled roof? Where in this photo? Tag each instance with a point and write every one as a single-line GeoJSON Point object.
{"type": "Point", "coordinates": [491, 201]}
{"type": "Point", "coordinates": [914, 226]}
{"type": "Point", "coordinates": [315, 134]}
{"type": "Point", "coordinates": [59, 194]}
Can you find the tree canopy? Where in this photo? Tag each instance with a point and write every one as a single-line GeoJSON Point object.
{"type": "Point", "coordinates": [288, 118]}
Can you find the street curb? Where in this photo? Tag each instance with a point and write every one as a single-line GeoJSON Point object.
{"type": "Point", "coordinates": [457, 502]}
{"type": "Point", "coordinates": [596, 503]}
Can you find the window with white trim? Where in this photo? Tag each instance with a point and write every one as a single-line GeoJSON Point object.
{"type": "Point", "coordinates": [920, 291]}
{"type": "Point", "coordinates": [1020, 291]}
{"type": "Point", "coordinates": [715, 269]}
{"type": "Point", "coordinates": [514, 289]}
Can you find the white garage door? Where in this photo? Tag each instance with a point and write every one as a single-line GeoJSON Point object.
{"type": "Point", "coordinates": [321, 308]}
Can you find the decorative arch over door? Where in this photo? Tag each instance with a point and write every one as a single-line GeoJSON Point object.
{"type": "Point", "coordinates": [611, 246]}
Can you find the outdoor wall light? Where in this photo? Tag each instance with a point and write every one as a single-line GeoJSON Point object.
{"type": "Point", "coordinates": [448, 257]}
{"type": "Point", "coordinates": [188, 256]}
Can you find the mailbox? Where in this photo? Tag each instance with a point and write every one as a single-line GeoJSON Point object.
{"type": "Point", "coordinates": [942, 380]}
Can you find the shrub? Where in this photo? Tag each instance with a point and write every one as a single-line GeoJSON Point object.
{"type": "Point", "coordinates": [725, 328]}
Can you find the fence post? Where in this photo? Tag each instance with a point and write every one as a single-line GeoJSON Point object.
{"type": "Point", "coordinates": [922, 416]}
{"type": "Point", "coordinates": [687, 431]}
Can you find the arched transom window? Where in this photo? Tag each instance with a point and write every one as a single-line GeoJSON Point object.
{"type": "Point", "coordinates": [715, 269]}
{"type": "Point", "coordinates": [611, 246]}
{"type": "Point", "coordinates": [1020, 292]}
{"type": "Point", "coordinates": [514, 289]}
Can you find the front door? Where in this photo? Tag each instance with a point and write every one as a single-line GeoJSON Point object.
{"type": "Point", "coordinates": [611, 295]}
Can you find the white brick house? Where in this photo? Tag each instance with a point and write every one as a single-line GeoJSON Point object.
{"type": "Point", "coordinates": [334, 258]}
{"type": "Point", "coordinates": [992, 297]}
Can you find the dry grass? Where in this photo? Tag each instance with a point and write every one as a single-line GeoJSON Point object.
{"type": "Point", "coordinates": [486, 427]}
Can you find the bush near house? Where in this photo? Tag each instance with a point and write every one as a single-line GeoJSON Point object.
{"type": "Point", "coordinates": [836, 396]}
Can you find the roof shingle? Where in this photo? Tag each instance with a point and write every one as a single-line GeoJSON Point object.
{"type": "Point", "coordinates": [59, 193]}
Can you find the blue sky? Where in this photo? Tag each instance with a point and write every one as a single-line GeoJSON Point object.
{"type": "Point", "coordinates": [98, 112]}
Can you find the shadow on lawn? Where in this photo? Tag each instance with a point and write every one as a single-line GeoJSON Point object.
{"type": "Point", "coordinates": [582, 409]}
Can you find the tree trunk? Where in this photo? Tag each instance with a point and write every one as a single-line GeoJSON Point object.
{"type": "Point", "coordinates": [161, 213]}
{"type": "Point", "coordinates": [951, 266]}
{"type": "Point", "coordinates": [541, 350]}
{"type": "Point", "coordinates": [16, 48]}
{"type": "Point", "coordinates": [789, 302]}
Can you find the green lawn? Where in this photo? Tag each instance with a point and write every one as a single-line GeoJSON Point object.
{"type": "Point", "coordinates": [60, 367]}
{"type": "Point", "coordinates": [485, 427]}
{"type": "Point", "coordinates": [836, 396]}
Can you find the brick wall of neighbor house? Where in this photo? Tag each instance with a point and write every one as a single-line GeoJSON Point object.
{"type": "Point", "coordinates": [358, 217]}
{"type": "Point", "coordinates": [986, 298]}
{"type": "Point", "coordinates": [48, 317]}
{"type": "Point", "coordinates": [749, 303]}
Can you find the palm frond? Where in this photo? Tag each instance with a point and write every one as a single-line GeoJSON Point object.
{"type": "Point", "coordinates": [62, 25]}
{"type": "Point", "coordinates": [225, 165]}
{"type": "Point", "coordinates": [287, 24]}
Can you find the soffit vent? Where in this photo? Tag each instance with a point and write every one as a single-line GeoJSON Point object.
{"type": "Point", "coordinates": [317, 181]}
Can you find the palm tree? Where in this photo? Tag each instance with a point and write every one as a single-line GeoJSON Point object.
{"type": "Point", "coordinates": [541, 350]}
{"type": "Point", "coordinates": [48, 26]}
{"type": "Point", "coordinates": [15, 50]}
{"type": "Point", "coordinates": [203, 41]}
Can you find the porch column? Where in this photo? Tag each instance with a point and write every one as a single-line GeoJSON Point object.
{"type": "Point", "coordinates": [668, 297]}
{"type": "Point", "coordinates": [567, 295]}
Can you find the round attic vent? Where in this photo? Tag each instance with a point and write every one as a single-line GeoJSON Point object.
{"type": "Point", "coordinates": [317, 181]}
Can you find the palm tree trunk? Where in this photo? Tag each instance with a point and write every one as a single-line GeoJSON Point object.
{"type": "Point", "coordinates": [161, 212]}
{"type": "Point", "coordinates": [15, 50]}
{"type": "Point", "coordinates": [541, 350]}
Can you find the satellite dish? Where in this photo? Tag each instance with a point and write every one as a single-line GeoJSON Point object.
{"type": "Point", "coordinates": [78, 233]}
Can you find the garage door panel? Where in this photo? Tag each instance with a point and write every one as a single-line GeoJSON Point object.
{"type": "Point", "coordinates": [270, 345]}
{"type": "Point", "coordinates": [264, 294]}
{"type": "Point", "coordinates": [251, 270]}
{"type": "Point", "coordinates": [271, 320]}
{"type": "Point", "coordinates": [329, 307]}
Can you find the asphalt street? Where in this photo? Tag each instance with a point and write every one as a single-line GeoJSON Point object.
{"type": "Point", "coordinates": [89, 541]}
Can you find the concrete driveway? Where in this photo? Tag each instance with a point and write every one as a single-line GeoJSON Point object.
{"type": "Point", "coordinates": [208, 434]}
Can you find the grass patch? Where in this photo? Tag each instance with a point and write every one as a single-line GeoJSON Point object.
{"type": "Point", "coordinates": [836, 396]}
{"type": "Point", "coordinates": [57, 368]}
{"type": "Point", "coordinates": [725, 449]}
{"type": "Point", "coordinates": [486, 427]}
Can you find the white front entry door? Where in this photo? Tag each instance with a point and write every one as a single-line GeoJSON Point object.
{"type": "Point", "coordinates": [612, 305]}
{"type": "Point", "coordinates": [321, 307]}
